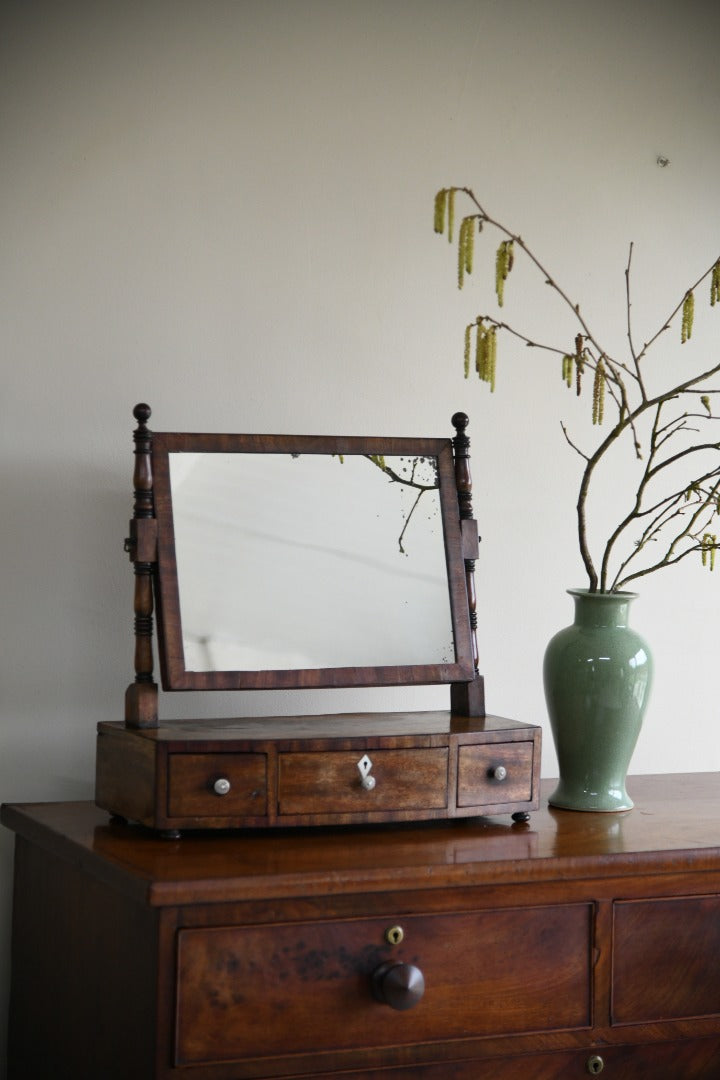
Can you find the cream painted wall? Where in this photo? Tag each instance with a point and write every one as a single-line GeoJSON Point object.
{"type": "Point", "coordinates": [224, 208]}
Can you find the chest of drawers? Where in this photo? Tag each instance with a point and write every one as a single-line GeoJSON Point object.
{"type": "Point", "coordinates": [568, 946]}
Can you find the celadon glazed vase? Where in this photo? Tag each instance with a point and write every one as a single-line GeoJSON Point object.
{"type": "Point", "coordinates": [597, 675]}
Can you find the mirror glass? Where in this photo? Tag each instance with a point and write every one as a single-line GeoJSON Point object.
{"type": "Point", "coordinates": [297, 567]}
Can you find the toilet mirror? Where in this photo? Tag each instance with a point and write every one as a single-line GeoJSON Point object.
{"type": "Point", "coordinates": [303, 561]}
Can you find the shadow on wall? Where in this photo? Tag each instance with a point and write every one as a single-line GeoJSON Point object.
{"type": "Point", "coordinates": [67, 649]}
{"type": "Point", "coordinates": [67, 652]}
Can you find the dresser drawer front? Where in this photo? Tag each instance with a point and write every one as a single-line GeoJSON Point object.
{"type": "Point", "coordinates": [481, 766]}
{"type": "Point", "coordinates": [330, 781]}
{"type": "Point", "coordinates": [665, 959]}
{"type": "Point", "coordinates": [192, 779]}
{"type": "Point", "coordinates": [251, 992]}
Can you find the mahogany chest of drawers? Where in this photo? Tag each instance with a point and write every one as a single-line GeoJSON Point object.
{"type": "Point", "coordinates": [455, 950]}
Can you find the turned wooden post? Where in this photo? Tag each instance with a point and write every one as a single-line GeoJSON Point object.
{"type": "Point", "coordinates": [141, 698]}
{"type": "Point", "coordinates": [467, 698]}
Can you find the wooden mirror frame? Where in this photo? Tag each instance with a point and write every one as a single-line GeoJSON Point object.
{"type": "Point", "coordinates": [150, 546]}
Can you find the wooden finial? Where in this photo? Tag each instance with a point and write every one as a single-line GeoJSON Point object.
{"type": "Point", "coordinates": [460, 421]}
{"type": "Point", "coordinates": [142, 413]}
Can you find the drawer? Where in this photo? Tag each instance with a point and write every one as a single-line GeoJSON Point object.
{"type": "Point", "coordinates": [689, 1059]}
{"type": "Point", "coordinates": [251, 992]}
{"type": "Point", "coordinates": [191, 780]}
{"type": "Point", "coordinates": [330, 781]}
{"type": "Point", "coordinates": [665, 959]}
{"type": "Point", "coordinates": [491, 773]}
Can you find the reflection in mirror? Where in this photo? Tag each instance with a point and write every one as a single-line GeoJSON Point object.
{"type": "Point", "coordinates": [306, 560]}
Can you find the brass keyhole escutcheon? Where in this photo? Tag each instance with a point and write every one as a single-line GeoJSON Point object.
{"type": "Point", "coordinates": [595, 1065]}
{"type": "Point", "coordinates": [394, 935]}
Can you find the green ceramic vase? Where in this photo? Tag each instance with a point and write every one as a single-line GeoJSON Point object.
{"type": "Point", "coordinates": [597, 675]}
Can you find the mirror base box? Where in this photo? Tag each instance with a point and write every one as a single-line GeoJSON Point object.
{"type": "Point", "coordinates": [338, 769]}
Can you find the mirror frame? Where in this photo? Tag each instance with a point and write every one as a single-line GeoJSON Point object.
{"type": "Point", "coordinates": [174, 674]}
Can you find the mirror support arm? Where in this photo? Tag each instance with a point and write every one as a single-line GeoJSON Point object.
{"type": "Point", "coordinates": [467, 698]}
{"type": "Point", "coordinates": [141, 698]}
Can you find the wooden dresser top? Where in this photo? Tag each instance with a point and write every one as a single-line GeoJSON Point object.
{"type": "Point", "coordinates": [674, 828]}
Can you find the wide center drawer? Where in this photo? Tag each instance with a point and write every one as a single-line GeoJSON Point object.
{"type": "Point", "coordinates": [323, 781]}
{"type": "Point", "coordinates": [255, 991]}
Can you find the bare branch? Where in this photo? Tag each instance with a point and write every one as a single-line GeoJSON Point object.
{"type": "Point", "coordinates": [413, 508]}
{"type": "Point", "coordinates": [678, 307]}
{"type": "Point", "coordinates": [672, 556]}
{"type": "Point", "coordinates": [572, 444]}
{"type": "Point", "coordinates": [405, 481]}
{"type": "Point", "coordinates": [628, 305]}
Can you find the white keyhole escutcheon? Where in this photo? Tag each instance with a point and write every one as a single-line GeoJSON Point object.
{"type": "Point", "coordinates": [364, 766]}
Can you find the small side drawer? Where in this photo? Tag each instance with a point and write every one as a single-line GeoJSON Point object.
{"type": "Point", "coordinates": [330, 782]}
{"type": "Point", "coordinates": [491, 773]}
{"type": "Point", "coordinates": [191, 780]}
{"type": "Point", "coordinates": [665, 963]}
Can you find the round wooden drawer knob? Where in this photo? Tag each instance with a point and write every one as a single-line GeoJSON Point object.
{"type": "Point", "coordinates": [401, 986]}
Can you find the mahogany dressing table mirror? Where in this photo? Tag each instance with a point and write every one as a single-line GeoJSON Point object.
{"type": "Point", "coordinates": [277, 562]}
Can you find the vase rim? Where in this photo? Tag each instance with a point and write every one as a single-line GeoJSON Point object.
{"type": "Point", "coordinates": [598, 595]}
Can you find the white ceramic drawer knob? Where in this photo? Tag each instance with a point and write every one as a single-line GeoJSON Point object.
{"type": "Point", "coordinates": [499, 773]}
{"type": "Point", "coordinates": [221, 786]}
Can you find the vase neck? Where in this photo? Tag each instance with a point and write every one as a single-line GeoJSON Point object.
{"type": "Point", "coordinates": [601, 609]}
